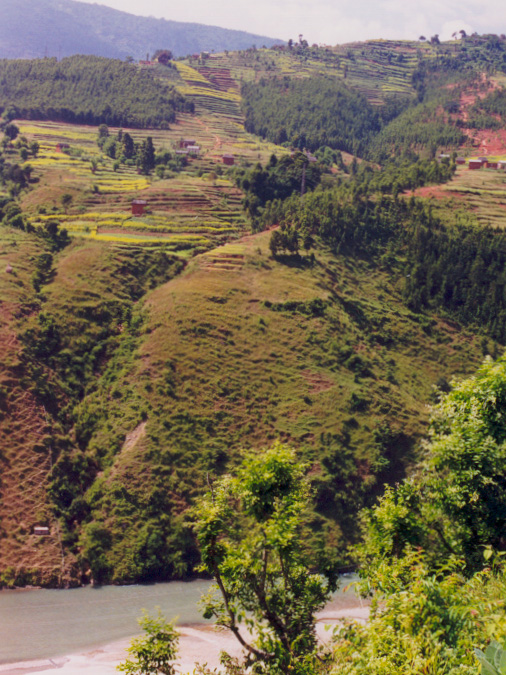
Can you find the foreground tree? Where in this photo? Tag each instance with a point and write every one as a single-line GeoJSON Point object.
{"type": "Point", "coordinates": [455, 502]}
{"type": "Point", "coordinates": [155, 651]}
{"type": "Point", "coordinates": [249, 528]}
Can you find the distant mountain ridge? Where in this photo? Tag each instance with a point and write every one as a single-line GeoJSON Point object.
{"type": "Point", "coordinates": [38, 28]}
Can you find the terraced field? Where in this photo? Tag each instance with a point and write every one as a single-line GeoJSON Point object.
{"type": "Point", "coordinates": [378, 69]}
{"type": "Point", "coordinates": [479, 193]}
{"type": "Point", "coordinates": [195, 210]}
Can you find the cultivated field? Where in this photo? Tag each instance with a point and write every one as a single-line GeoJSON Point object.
{"type": "Point", "coordinates": [193, 210]}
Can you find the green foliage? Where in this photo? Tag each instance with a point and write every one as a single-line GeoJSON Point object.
{"type": "Point", "coordinates": [277, 180]}
{"type": "Point", "coordinates": [146, 157]}
{"type": "Point", "coordinates": [309, 113]}
{"type": "Point", "coordinates": [154, 652]}
{"type": "Point", "coordinates": [75, 89]}
{"type": "Point", "coordinates": [419, 128]}
{"type": "Point", "coordinates": [249, 532]}
{"type": "Point", "coordinates": [426, 621]}
{"type": "Point", "coordinates": [493, 661]}
{"type": "Point", "coordinates": [456, 502]}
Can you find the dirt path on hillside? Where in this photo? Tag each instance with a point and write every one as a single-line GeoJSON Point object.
{"type": "Point", "coordinates": [218, 141]}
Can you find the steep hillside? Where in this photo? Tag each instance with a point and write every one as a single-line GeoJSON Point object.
{"type": "Point", "coordinates": [38, 28]}
{"type": "Point", "coordinates": [128, 383]}
{"type": "Point", "coordinates": [240, 350]}
{"type": "Point", "coordinates": [26, 435]}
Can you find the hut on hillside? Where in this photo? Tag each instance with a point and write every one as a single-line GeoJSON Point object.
{"type": "Point", "coordinates": [460, 160]}
{"type": "Point", "coordinates": [185, 142]}
{"type": "Point", "coordinates": [229, 160]}
{"type": "Point", "coordinates": [138, 206]}
{"type": "Point", "coordinates": [193, 150]}
{"type": "Point", "coordinates": [475, 164]}
{"type": "Point", "coordinates": [41, 531]}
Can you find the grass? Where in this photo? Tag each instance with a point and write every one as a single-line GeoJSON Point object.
{"type": "Point", "coordinates": [224, 363]}
{"type": "Point", "coordinates": [478, 194]}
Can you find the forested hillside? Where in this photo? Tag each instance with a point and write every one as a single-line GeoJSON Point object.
{"type": "Point", "coordinates": [87, 90]}
{"type": "Point", "coordinates": [310, 113]}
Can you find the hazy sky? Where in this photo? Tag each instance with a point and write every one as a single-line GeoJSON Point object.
{"type": "Point", "coordinates": [331, 21]}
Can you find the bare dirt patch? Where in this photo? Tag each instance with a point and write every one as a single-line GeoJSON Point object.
{"type": "Point", "coordinates": [317, 381]}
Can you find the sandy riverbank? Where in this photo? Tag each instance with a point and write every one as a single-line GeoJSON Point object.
{"type": "Point", "coordinates": [198, 644]}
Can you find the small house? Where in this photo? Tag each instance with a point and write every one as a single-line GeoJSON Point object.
{"type": "Point", "coordinates": [138, 206]}
{"type": "Point", "coordinates": [460, 160]}
{"type": "Point", "coordinates": [182, 152]}
{"type": "Point", "coordinates": [501, 164]}
{"type": "Point", "coordinates": [492, 165]}
{"type": "Point", "coordinates": [442, 156]}
{"type": "Point", "coordinates": [475, 164]}
{"type": "Point", "coordinates": [41, 531]}
{"type": "Point", "coordinates": [228, 160]}
{"type": "Point", "coordinates": [193, 150]}
{"type": "Point", "coordinates": [185, 142]}
{"type": "Point", "coordinates": [61, 147]}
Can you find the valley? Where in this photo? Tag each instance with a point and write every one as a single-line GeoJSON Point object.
{"type": "Point", "coordinates": [144, 353]}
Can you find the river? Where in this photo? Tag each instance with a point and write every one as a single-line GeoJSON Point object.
{"type": "Point", "coordinates": [40, 624]}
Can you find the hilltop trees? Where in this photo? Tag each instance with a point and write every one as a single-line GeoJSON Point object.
{"type": "Point", "coordinates": [88, 90]}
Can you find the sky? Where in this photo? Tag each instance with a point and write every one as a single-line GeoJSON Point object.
{"type": "Point", "coordinates": [331, 21]}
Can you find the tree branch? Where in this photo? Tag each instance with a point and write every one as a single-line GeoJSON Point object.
{"type": "Point", "coordinates": [232, 625]}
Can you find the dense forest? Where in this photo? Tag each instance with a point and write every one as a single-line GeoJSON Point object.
{"type": "Point", "coordinates": [87, 90]}
{"type": "Point", "coordinates": [309, 113]}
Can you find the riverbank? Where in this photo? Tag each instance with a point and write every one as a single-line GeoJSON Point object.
{"type": "Point", "coordinates": [199, 643]}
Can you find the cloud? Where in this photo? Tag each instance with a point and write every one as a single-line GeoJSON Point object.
{"type": "Point", "coordinates": [331, 21]}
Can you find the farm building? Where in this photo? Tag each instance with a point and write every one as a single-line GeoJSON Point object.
{"type": "Point", "coordinates": [475, 164]}
{"type": "Point", "coordinates": [138, 206]}
{"type": "Point", "coordinates": [501, 164]}
{"type": "Point", "coordinates": [193, 150]}
{"type": "Point", "coordinates": [228, 160]}
{"type": "Point", "coordinates": [442, 156]}
{"type": "Point", "coordinates": [460, 160]}
{"type": "Point", "coordinates": [185, 142]}
{"type": "Point", "coordinates": [41, 531]}
{"type": "Point", "coordinates": [60, 147]}
{"type": "Point", "coordinates": [182, 152]}
{"type": "Point", "coordinates": [492, 165]}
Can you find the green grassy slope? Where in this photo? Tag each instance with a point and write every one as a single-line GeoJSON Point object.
{"type": "Point", "coordinates": [238, 351]}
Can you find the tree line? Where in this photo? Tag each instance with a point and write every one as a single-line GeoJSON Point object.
{"type": "Point", "coordinates": [88, 90]}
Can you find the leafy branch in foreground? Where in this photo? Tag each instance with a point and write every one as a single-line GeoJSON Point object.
{"type": "Point", "coordinates": [155, 651]}
{"type": "Point", "coordinates": [249, 531]}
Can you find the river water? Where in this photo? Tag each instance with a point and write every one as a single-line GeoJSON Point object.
{"type": "Point", "coordinates": [39, 624]}
{"type": "Point", "coordinates": [36, 624]}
